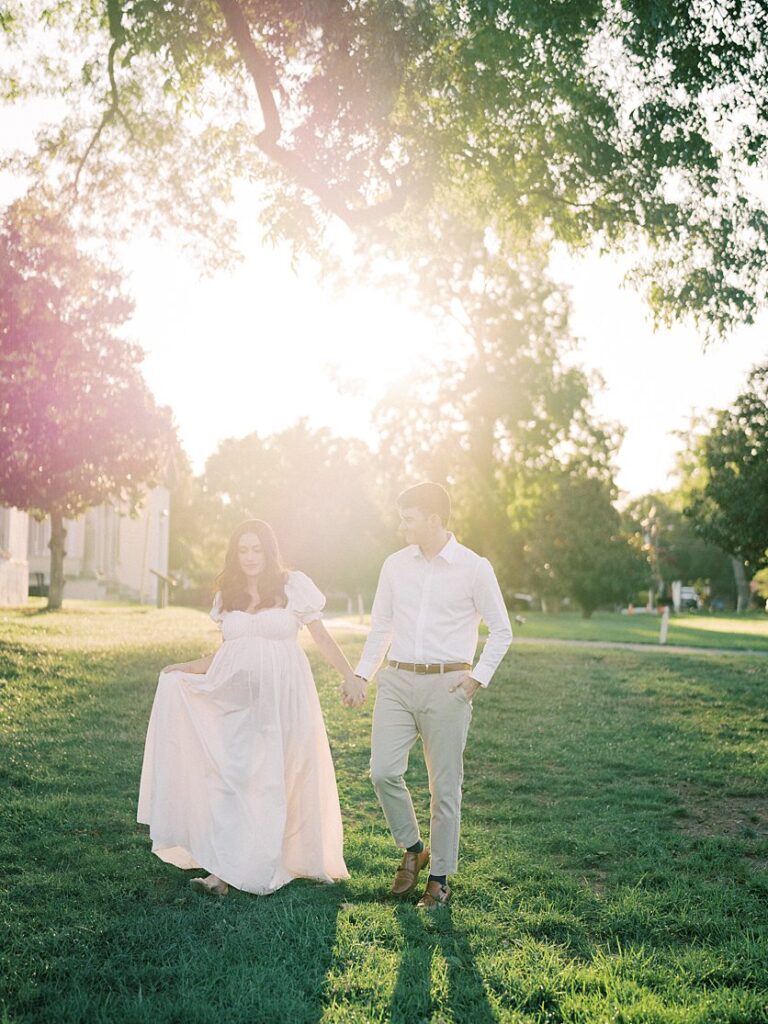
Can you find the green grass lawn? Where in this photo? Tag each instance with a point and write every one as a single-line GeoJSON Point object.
{"type": "Point", "coordinates": [747, 632]}
{"type": "Point", "coordinates": [614, 851]}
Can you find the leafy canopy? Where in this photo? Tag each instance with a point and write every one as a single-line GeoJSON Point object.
{"type": "Point", "coordinates": [620, 120]}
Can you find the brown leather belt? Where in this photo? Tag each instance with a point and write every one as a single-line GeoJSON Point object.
{"type": "Point", "coordinates": [435, 666]}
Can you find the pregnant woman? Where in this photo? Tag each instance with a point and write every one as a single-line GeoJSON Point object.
{"type": "Point", "coordinates": [237, 776]}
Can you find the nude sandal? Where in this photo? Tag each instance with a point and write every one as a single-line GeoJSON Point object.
{"type": "Point", "coordinates": [210, 888]}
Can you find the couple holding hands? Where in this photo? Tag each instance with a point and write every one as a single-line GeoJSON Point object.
{"type": "Point", "coordinates": [237, 776]}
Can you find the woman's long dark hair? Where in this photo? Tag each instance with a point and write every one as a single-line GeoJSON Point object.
{"type": "Point", "coordinates": [231, 580]}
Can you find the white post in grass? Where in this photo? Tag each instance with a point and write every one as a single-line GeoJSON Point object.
{"type": "Point", "coordinates": [664, 625]}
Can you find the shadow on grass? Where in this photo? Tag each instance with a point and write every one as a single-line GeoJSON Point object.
{"type": "Point", "coordinates": [165, 954]}
{"type": "Point", "coordinates": [420, 978]}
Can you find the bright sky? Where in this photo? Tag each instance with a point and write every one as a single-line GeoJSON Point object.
{"type": "Point", "coordinates": [257, 348]}
{"type": "Point", "coordinates": [654, 380]}
{"type": "Point", "coordinates": [260, 347]}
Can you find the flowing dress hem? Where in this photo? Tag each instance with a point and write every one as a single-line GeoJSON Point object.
{"type": "Point", "coordinates": [180, 857]}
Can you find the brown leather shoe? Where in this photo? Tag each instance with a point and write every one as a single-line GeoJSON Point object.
{"type": "Point", "coordinates": [407, 874]}
{"type": "Point", "coordinates": [434, 896]}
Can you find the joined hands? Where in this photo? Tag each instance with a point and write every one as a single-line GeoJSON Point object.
{"type": "Point", "coordinates": [353, 691]}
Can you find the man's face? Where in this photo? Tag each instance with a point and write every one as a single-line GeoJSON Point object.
{"type": "Point", "coordinates": [415, 526]}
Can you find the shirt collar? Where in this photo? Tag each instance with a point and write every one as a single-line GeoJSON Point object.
{"type": "Point", "coordinates": [447, 553]}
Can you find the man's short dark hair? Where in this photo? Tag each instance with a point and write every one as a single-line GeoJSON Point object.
{"type": "Point", "coordinates": [429, 497]}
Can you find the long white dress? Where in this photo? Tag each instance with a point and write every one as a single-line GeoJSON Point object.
{"type": "Point", "coordinates": [237, 775]}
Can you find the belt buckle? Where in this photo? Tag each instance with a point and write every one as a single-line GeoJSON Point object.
{"type": "Point", "coordinates": [423, 669]}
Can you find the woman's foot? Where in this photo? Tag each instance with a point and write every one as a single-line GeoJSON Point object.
{"type": "Point", "coordinates": [212, 885]}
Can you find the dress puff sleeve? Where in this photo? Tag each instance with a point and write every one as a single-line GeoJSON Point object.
{"type": "Point", "coordinates": [304, 598]}
{"type": "Point", "coordinates": [216, 613]}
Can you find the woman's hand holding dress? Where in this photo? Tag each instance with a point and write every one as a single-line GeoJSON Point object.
{"type": "Point", "coordinates": [195, 668]}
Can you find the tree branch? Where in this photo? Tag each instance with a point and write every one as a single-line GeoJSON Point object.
{"type": "Point", "coordinates": [268, 140]}
{"type": "Point", "coordinates": [258, 68]}
{"type": "Point", "coordinates": [114, 108]}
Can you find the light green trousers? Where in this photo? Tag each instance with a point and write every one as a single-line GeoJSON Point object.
{"type": "Point", "coordinates": [407, 706]}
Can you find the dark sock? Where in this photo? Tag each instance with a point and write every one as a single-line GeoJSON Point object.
{"type": "Point", "coordinates": [439, 878]}
{"type": "Point", "coordinates": [416, 848]}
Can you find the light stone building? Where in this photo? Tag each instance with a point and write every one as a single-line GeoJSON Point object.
{"type": "Point", "coordinates": [14, 569]}
{"type": "Point", "coordinates": [110, 555]}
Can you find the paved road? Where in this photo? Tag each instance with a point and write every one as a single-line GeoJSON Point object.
{"type": "Point", "coordinates": [352, 626]}
{"type": "Point", "coordinates": [626, 646]}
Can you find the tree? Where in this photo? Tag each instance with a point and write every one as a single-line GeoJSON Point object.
{"type": "Point", "coordinates": [760, 582]}
{"type": "Point", "coordinates": [509, 405]}
{"type": "Point", "coordinates": [729, 507]}
{"type": "Point", "coordinates": [679, 552]}
{"type": "Point", "coordinates": [318, 492]}
{"type": "Point", "coordinates": [194, 542]}
{"type": "Point", "coordinates": [576, 546]}
{"type": "Point", "coordinates": [574, 120]}
{"type": "Point", "coordinates": [78, 425]}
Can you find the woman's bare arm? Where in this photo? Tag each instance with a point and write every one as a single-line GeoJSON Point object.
{"type": "Point", "coordinates": [198, 667]}
{"type": "Point", "coordinates": [352, 689]}
{"type": "Point", "coordinates": [329, 649]}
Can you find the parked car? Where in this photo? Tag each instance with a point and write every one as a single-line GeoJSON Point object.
{"type": "Point", "coordinates": [689, 599]}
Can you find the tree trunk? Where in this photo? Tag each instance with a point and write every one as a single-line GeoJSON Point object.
{"type": "Point", "coordinates": [742, 585]}
{"type": "Point", "coordinates": [58, 551]}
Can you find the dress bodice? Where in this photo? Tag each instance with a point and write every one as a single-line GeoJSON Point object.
{"type": "Point", "coordinates": [304, 604]}
{"type": "Point", "coordinates": [268, 624]}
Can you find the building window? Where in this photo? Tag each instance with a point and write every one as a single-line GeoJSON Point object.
{"type": "Point", "coordinates": [5, 532]}
{"type": "Point", "coordinates": [39, 534]}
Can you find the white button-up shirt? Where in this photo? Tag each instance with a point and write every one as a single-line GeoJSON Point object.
{"type": "Point", "coordinates": [430, 610]}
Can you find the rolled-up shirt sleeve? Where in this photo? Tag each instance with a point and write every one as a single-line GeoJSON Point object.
{"type": "Point", "coordinates": [490, 604]}
{"type": "Point", "coordinates": [380, 635]}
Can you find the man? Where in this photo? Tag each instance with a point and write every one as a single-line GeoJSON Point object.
{"type": "Point", "coordinates": [429, 601]}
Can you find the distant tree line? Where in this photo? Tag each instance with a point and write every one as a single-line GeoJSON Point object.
{"type": "Point", "coordinates": [508, 425]}
{"type": "Point", "coordinates": [537, 496]}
